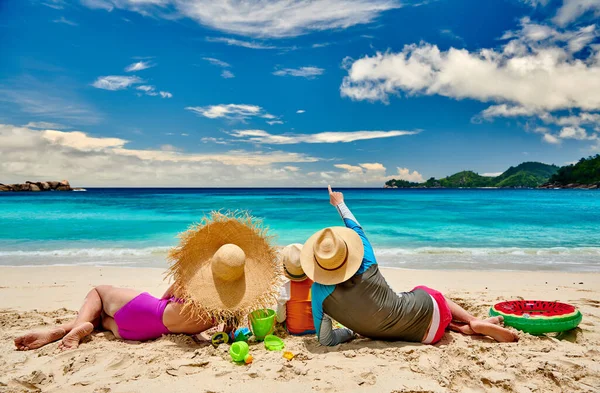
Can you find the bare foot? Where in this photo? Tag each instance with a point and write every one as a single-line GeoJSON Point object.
{"type": "Point", "coordinates": [35, 340]}
{"type": "Point", "coordinates": [71, 340]}
{"type": "Point", "coordinates": [496, 332]}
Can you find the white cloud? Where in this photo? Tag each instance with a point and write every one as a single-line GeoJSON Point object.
{"type": "Point", "coordinates": [575, 133]}
{"type": "Point", "coordinates": [230, 111]}
{"type": "Point", "coordinates": [538, 71]}
{"type": "Point", "coordinates": [271, 122]}
{"type": "Point", "coordinates": [218, 141]}
{"type": "Point", "coordinates": [492, 174]}
{"type": "Point", "coordinates": [48, 100]}
{"type": "Point", "coordinates": [349, 168]}
{"type": "Point", "coordinates": [244, 44]}
{"type": "Point", "coordinates": [139, 66]}
{"type": "Point", "coordinates": [582, 118]}
{"type": "Point", "coordinates": [504, 110]}
{"type": "Point", "coordinates": [291, 168]}
{"type": "Point", "coordinates": [45, 125]}
{"type": "Point", "coordinates": [263, 137]}
{"type": "Point", "coordinates": [450, 34]}
{"type": "Point", "coordinates": [573, 9]}
{"type": "Point", "coordinates": [65, 21]}
{"type": "Point", "coordinates": [81, 141]}
{"type": "Point", "coordinates": [304, 72]}
{"type": "Point", "coordinates": [258, 18]}
{"type": "Point", "coordinates": [406, 174]}
{"type": "Point", "coordinates": [299, 111]}
{"type": "Point", "coordinates": [375, 166]}
{"type": "Point", "coordinates": [217, 62]}
{"type": "Point", "coordinates": [372, 173]}
{"type": "Point", "coordinates": [535, 69]}
{"type": "Point", "coordinates": [549, 138]}
{"type": "Point", "coordinates": [547, 79]}
{"type": "Point", "coordinates": [115, 82]}
{"type": "Point", "coordinates": [149, 90]}
{"type": "Point", "coordinates": [535, 3]}
{"type": "Point", "coordinates": [55, 4]}
{"type": "Point", "coordinates": [165, 94]}
{"type": "Point", "coordinates": [100, 161]}
{"type": "Point", "coordinates": [227, 74]}
{"type": "Point", "coordinates": [107, 5]}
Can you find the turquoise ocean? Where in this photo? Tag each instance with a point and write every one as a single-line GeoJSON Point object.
{"type": "Point", "coordinates": [417, 229]}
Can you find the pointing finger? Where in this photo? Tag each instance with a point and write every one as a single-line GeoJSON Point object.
{"type": "Point", "coordinates": [329, 188]}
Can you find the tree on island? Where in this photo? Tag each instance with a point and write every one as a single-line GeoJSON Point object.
{"type": "Point", "coordinates": [586, 171]}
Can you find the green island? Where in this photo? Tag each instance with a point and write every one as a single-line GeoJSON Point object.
{"type": "Point", "coordinates": [583, 174]}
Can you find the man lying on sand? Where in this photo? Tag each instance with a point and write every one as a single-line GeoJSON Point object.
{"type": "Point", "coordinates": [350, 288]}
{"type": "Point", "coordinates": [223, 268]}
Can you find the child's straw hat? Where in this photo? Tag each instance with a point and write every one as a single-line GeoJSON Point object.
{"type": "Point", "coordinates": [290, 258]}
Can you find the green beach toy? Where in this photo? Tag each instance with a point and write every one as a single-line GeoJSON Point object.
{"type": "Point", "coordinates": [274, 343]}
{"type": "Point", "coordinates": [240, 352]}
{"type": "Point", "coordinates": [262, 323]}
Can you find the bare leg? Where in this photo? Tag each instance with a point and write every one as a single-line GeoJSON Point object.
{"type": "Point", "coordinates": [489, 327]}
{"type": "Point", "coordinates": [104, 298]}
{"type": "Point", "coordinates": [38, 339]}
{"type": "Point", "coordinates": [109, 323]}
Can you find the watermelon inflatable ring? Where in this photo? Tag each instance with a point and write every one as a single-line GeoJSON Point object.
{"type": "Point", "coordinates": [536, 316]}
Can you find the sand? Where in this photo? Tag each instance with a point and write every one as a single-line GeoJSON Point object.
{"type": "Point", "coordinates": [32, 298]}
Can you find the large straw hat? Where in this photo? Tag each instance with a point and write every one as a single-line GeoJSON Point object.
{"type": "Point", "coordinates": [225, 267]}
{"type": "Point", "coordinates": [290, 258]}
{"type": "Point", "coordinates": [332, 255]}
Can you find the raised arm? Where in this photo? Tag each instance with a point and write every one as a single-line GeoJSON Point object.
{"type": "Point", "coordinates": [337, 199]}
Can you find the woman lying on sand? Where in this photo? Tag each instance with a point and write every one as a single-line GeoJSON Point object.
{"type": "Point", "coordinates": [350, 288]}
{"type": "Point", "coordinates": [127, 313]}
{"type": "Point", "coordinates": [224, 268]}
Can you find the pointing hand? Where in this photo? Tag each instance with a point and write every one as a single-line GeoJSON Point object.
{"type": "Point", "coordinates": [335, 198]}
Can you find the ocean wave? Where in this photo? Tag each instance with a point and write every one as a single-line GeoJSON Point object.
{"type": "Point", "coordinates": [467, 251]}
{"type": "Point", "coordinates": [379, 252]}
{"type": "Point", "coordinates": [87, 252]}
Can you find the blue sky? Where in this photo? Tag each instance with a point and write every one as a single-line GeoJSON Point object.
{"type": "Point", "coordinates": [293, 93]}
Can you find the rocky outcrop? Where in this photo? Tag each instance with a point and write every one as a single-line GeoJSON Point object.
{"type": "Point", "coordinates": [592, 186]}
{"type": "Point", "coordinates": [37, 186]}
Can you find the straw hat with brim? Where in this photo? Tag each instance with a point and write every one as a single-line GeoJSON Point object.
{"type": "Point", "coordinates": [332, 255]}
{"type": "Point", "coordinates": [290, 258]}
{"type": "Point", "coordinates": [225, 267]}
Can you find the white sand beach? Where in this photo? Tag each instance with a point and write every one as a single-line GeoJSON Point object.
{"type": "Point", "coordinates": [32, 298]}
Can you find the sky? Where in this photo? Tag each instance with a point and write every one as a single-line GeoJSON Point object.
{"type": "Point", "coordinates": [293, 93]}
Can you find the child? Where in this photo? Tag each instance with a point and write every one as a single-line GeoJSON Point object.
{"type": "Point", "coordinates": [294, 303]}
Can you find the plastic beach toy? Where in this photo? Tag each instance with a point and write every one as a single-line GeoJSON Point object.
{"type": "Point", "coordinates": [262, 323]}
{"type": "Point", "coordinates": [239, 352]}
{"type": "Point", "coordinates": [241, 334]}
{"type": "Point", "coordinates": [274, 343]}
{"type": "Point", "coordinates": [219, 338]}
{"type": "Point", "coordinates": [537, 316]}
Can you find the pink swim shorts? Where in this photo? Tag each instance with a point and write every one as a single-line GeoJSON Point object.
{"type": "Point", "coordinates": [441, 315]}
